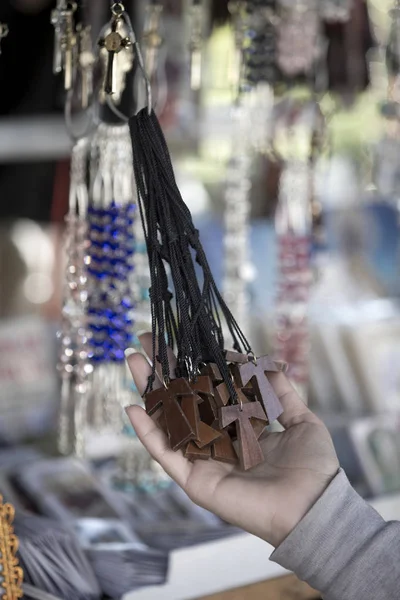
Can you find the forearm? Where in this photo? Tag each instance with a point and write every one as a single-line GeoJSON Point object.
{"type": "Point", "coordinates": [343, 548]}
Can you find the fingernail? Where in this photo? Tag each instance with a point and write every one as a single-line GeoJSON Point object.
{"type": "Point", "coordinates": [129, 351]}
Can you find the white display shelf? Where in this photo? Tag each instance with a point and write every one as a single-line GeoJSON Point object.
{"type": "Point", "coordinates": [228, 564]}
{"type": "Point", "coordinates": [33, 139]}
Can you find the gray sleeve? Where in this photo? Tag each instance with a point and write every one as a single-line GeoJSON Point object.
{"type": "Point", "coordinates": [343, 548]}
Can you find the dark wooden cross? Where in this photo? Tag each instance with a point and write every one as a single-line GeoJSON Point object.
{"type": "Point", "coordinates": [250, 452]}
{"type": "Point", "coordinates": [221, 395]}
{"type": "Point", "coordinates": [202, 385]}
{"type": "Point", "coordinates": [255, 371]}
{"type": "Point", "coordinates": [193, 452]}
{"type": "Point", "coordinates": [212, 371]}
{"type": "Point", "coordinates": [113, 43]}
{"type": "Point", "coordinates": [204, 435]}
{"type": "Point", "coordinates": [223, 450]}
{"type": "Point", "coordinates": [236, 357]}
{"type": "Point", "coordinates": [258, 425]}
{"type": "Point", "coordinates": [180, 431]}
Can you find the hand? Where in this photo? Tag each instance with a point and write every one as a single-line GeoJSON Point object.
{"type": "Point", "coordinates": [267, 501]}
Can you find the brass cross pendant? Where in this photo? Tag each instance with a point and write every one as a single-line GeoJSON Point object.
{"type": "Point", "coordinates": [113, 43]}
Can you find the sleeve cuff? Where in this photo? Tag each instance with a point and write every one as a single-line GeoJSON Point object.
{"type": "Point", "coordinates": [336, 545]}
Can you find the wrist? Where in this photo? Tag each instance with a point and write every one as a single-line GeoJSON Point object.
{"type": "Point", "coordinates": [300, 499]}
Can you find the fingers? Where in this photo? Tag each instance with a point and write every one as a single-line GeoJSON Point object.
{"type": "Point", "coordinates": [294, 409]}
{"type": "Point", "coordinates": [156, 443]}
{"type": "Point", "coordinates": [141, 371]}
{"type": "Point", "coordinates": [147, 345]}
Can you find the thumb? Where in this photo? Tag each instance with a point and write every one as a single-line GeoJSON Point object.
{"type": "Point", "coordinates": [294, 409]}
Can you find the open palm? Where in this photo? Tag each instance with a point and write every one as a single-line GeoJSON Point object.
{"type": "Point", "coordinates": [268, 500]}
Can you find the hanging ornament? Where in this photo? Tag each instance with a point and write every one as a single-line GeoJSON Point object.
{"type": "Point", "coordinates": [107, 277]}
{"type": "Point", "coordinates": [117, 55]}
{"type": "Point", "coordinates": [238, 270]}
{"type": "Point", "coordinates": [251, 122]}
{"type": "Point", "coordinates": [299, 43]}
{"type": "Point", "coordinates": [74, 367]}
{"type": "Point", "coordinates": [196, 26]}
{"type": "Point", "coordinates": [4, 31]}
{"type": "Point", "coordinates": [237, 10]}
{"type": "Point", "coordinates": [65, 40]}
{"type": "Point", "coordinates": [85, 64]}
{"type": "Point", "coordinates": [214, 398]}
{"type": "Point", "coordinates": [259, 51]}
{"type": "Point", "coordinates": [152, 39]}
{"type": "Point", "coordinates": [111, 281]}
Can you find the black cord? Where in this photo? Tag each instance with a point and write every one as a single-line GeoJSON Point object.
{"type": "Point", "coordinates": [190, 321]}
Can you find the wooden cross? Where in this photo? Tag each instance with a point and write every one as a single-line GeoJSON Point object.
{"type": "Point", "coordinates": [204, 435]}
{"type": "Point", "coordinates": [255, 371]}
{"type": "Point", "coordinates": [113, 43]}
{"type": "Point", "coordinates": [180, 431]}
{"type": "Point", "coordinates": [212, 371]}
{"type": "Point", "coordinates": [223, 450]}
{"type": "Point", "coordinates": [193, 452]}
{"type": "Point", "coordinates": [258, 425]}
{"type": "Point", "coordinates": [209, 411]}
{"type": "Point", "coordinates": [222, 395]}
{"type": "Point", "coordinates": [202, 385]}
{"type": "Point", "coordinates": [236, 357]}
{"type": "Point", "coordinates": [250, 452]}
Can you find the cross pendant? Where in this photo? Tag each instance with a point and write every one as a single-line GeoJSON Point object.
{"type": "Point", "coordinates": [179, 429]}
{"type": "Point", "coordinates": [250, 452]}
{"type": "Point", "coordinates": [57, 20]}
{"type": "Point", "coordinates": [86, 61]}
{"type": "Point", "coordinates": [68, 45]}
{"type": "Point", "coordinates": [113, 43]}
{"type": "Point", "coordinates": [255, 372]}
{"type": "Point", "coordinates": [204, 434]}
{"type": "Point", "coordinates": [62, 18]}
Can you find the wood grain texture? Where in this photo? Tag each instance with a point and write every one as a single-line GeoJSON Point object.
{"type": "Point", "coordinates": [179, 429]}
{"type": "Point", "coordinates": [250, 452]}
{"type": "Point", "coordinates": [193, 452]}
{"type": "Point", "coordinates": [212, 371]}
{"type": "Point", "coordinates": [236, 357]}
{"type": "Point", "coordinates": [256, 374]}
{"type": "Point", "coordinates": [282, 588]}
{"type": "Point", "coordinates": [223, 450]}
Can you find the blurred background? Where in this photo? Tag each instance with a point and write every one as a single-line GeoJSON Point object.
{"type": "Point", "coordinates": [283, 122]}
